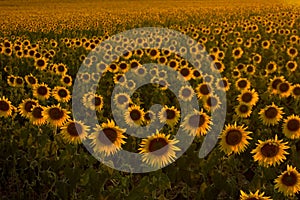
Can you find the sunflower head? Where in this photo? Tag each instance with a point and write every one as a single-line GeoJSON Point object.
{"type": "Point", "coordinates": [158, 150]}
{"type": "Point", "coordinates": [270, 152]}
{"type": "Point", "coordinates": [288, 182]}
{"type": "Point", "coordinates": [234, 139]}
{"type": "Point", "coordinates": [74, 131]}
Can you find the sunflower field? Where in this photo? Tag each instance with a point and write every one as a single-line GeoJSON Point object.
{"type": "Point", "coordinates": [219, 116]}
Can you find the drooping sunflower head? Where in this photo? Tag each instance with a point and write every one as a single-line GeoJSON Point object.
{"type": "Point", "coordinates": [288, 182]}
{"type": "Point", "coordinates": [271, 115]}
{"type": "Point", "coordinates": [74, 131]}
{"type": "Point", "coordinates": [158, 150]}
{"type": "Point", "coordinates": [234, 139]}
{"type": "Point", "coordinates": [270, 152]}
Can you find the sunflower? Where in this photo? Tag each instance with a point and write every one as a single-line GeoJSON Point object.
{"type": "Point", "coordinates": [123, 66]}
{"type": "Point", "coordinates": [234, 139]}
{"type": "Point", "coordinates": [169, 115]}
{"type": "Point", "coordinates": [291, 66]}
{"type": "Point", "coordinates": [292, 52]}
{"type": "Point", "coordinates": [74, 131]}
{"type": "Point", "coordinates": [18, 81]}
{"type": "Point", "coordinates": [242, 84]}
{"type": "Point", "coordinates": [162, 60]}
{"type": "Point", "coordinates": [250, 69]}
{"type": "Point", "coordinates": [203, 90]}
{"type": "Point", "coordinates": [41, 91]}
{"type": "Point", "coordinates": [237, 53]}
{"type": "Point", "coordinates": [243, 110]}
{"type": "Point", "coordinates": [236, 73]}
{"type": "Point", "coordinates": [273, 84]}
{"type": "Point", "coordinates": [149, 116]}
{"type": "Point", "coordinates": [223, 84]}
{"type": "Point", "coordinates": [211, 102]}
{"type": "Point", "coordinates": [113, 68]}
{"type": "Point", "coordinates": [271, 115]}
{"type": "Point", "coordinates": [5, 107]}
{"type": "Point", "coordinates": [265, 44]}
{"type": "Point", "coordinates": [134, 116]}
{"type": "Point", "coordinates": [257, 58]}
{"type": "Point", "coordinates": [197, 123]}
{"type": "Point", "coordinates": [186, 93]}
{"type": "Point", "coordinates": [270, 152]}
{"type": "Point", "coordinates": [36, 117]}
{"type": "Point", "coordinates": [284, 89]}
{"type": "Point", "coordinates": [288, 182]}
{"type": "Point", "coordinates": [248, 97]}
{"type": "Point", "coordinates": [93, 101]}
{"type": "Point", "coordinates": [173, 64]}
{"type": "Point", "coordinates": [122, 100]}
{"type": "Point", "coordinates": [253, 196]}
{"type": "Point", "coordinates": [119, 78]}
{"type": "Point", "coordinates": [158, 150]}
{"type": "Point", "coordinates": [291, 127]}
{"type": "Point", "coordinates": [107, 138]}
{"type": "Point", "coordinates": [134, 64]}
{"type": "Point", "coordinates": [296, 91]}
{"type": "Point", "coordinates": [196, 74]}
{"type": "Point", "coordinates": [61, 69]}
{"type": "Point", "coordinates": [217, 66]}
{"type": "Point", "coordinates": [11, 80]}
{"type": "Point", "coordinates": [26, 106]}
{"type": "Point", "coordinates": [208, 78]}
{"type": "Point", "coordinates": [271, 67]}
{"type": "Point", "coordinates": [153, 54]}
{"type": "Point", "coordinates": [141, 71]}
{"type": "Point", "coordinates": [66, 80]}
{"type": "Point", "coordinates": [61, 94]}
{"type": "Point", "coordinates": [55, 115]}
{"type": "Point", "coordinates": [40, 63]}
{"type": "Point", "coordinates": [186, 72]}
{"type": "Point", "coordinates": [31, 80]}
